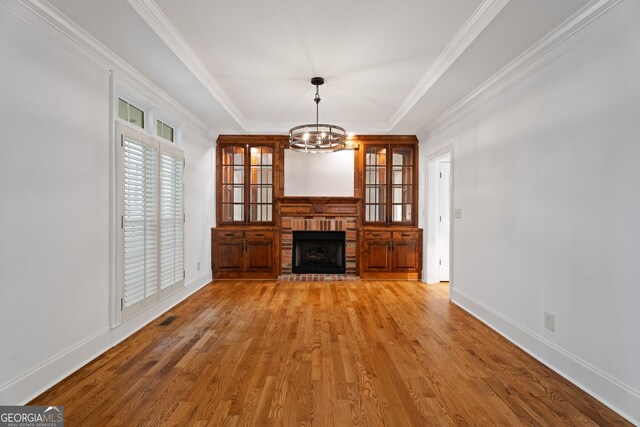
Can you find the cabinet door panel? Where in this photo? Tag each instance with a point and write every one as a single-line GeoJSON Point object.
{"type": "Point", "coordinates": [402, 184]}
{"type": "Point", "coordinates": [231, 180]}
{"type": "Point", "coordinates": [405, 255]}
{"type": "Point", "coordinates": [375, 184]}
{"type": "Point", "coordinates": [376, 255]}
{"type": "Point", "coordinates": [245, 181]}
{"type": "Point", "coordinates": [259, 255]}
{"type": "Point", "coordinates": [228, 255]}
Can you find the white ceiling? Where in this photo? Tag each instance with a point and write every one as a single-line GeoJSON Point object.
{"type": "Point", "coordinates": [390, 66]}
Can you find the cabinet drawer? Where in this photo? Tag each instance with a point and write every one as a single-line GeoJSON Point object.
{"type": "Point", "coordinates": [259, 235]}
{"type": "Point", "coordinates": [376, 235]}
{"type": "Point", "coordinates": [227, 235]}
{"type": "Point", "coordinates": [405, 235]}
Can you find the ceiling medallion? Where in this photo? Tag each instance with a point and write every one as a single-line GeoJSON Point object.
{"type": "Point", "coordinates": [318, 137]}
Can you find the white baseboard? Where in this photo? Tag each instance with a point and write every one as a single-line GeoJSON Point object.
{"type": "Point", "coordinates": [140, 320]}
{"type": "Point", "coordinates": [610, 391]}
{"type": "Point", "coordinates": [26, 387]}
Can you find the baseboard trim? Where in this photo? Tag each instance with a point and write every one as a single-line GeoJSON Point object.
{"type": "Point", "coordinates": [129, 327]}
{"type": "Point", "coordinates": [25, 388]}
{"type": "Point", "coordinates": [619, 397]}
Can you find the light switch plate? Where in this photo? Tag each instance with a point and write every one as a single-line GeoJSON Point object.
{"type": "Point", "coordinates": [457, 213]}
{"type": "Point", "coordinates": [549, 321]}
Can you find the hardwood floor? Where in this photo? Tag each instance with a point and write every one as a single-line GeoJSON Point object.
{"type": "Point", "coordinates": [259, 353]}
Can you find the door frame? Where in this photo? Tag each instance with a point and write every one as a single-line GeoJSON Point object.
{"type": "Point", "coordinates": [430, 269]}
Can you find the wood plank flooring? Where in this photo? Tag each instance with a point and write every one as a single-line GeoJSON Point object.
{"type": "Point", "coordinates": [369, 353]}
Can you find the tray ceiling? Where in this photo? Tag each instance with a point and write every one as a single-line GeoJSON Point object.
{"type": "Point", "coordinates": [244, 66]}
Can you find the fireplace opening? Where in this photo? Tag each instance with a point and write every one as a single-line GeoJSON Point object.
{"type": "Point", "coordinates": [319, 252]}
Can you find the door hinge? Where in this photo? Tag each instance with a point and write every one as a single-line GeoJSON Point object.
{"type": "Point", "coordinates": [122, 140]}
{"type": "Point", "coordinates": [184, 163]}
{"type": "Point", "coordinates": [121, 221]}
{"type": "Point", "coordinates": [184, 217]}
{"type": "Point", "coordinates": [440, 174]}
{"type": "Point", "coordinates": [439, 262]}
{"type": "Point", "coordinates": [121, 304]}
{"type": "Point", "coordinates": [440, 218]}
{"type": "Point", "coordinates": [184, 274]}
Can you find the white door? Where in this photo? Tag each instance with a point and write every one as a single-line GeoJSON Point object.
{"type": "Point", "coordinates": [444, 206]}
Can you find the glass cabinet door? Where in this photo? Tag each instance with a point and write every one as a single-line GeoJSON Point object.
{"type": "Point", "coordinates": [246, 183]}
{"type": "Point", "coordinates": [375, 184]}
{"type": "Point", "coordinates": [402, 170]}
{"type": "Point", "coordinates": [389, 190]}
{"type": "Point", "coordinates": [261, 185]}
{"type": "Point", "coordinates": [232, 181]}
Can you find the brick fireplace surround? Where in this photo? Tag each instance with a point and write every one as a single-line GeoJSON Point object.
{"type": "Point", "coordinates": [318, 214]}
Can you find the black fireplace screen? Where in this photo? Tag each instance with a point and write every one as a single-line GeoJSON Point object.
{"type": "Point", "coordinates": [318, 252]}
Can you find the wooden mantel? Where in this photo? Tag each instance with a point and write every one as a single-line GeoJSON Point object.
{"type": "Point", "coordinates": [325, 206]}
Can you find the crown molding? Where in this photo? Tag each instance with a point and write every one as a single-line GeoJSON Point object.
{"type": "Point", "coordinates": [567, 35]}
{"type": "Point", "coordinates": [151, 13]}
{"type": "Point", "coordinates": [481, 18]}
{"type": "Point", "coordinates": [44, 17]}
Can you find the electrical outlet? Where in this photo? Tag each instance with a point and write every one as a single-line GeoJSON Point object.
{"type": "Point", "coordinates": [198, 266]}
{"type": "Point", "coordinates": [549, 321]}
{"type": "Point", "coordinates": [457, 213]}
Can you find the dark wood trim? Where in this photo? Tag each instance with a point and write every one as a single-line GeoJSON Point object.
{"type": "Point", "coordinates": [386, 139]}
{"type": "Point", "coordinates": [251, 139]}
{"type": "Point", "coordinates": [319, 206]}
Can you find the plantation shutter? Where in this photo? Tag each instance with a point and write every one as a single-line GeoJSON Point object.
{"type": "Point", "coordinates": [152, 224]}
{"type": "Point", "coordinates": [139, 222]}
{"type": "Point", "coordinates": [171, 219]}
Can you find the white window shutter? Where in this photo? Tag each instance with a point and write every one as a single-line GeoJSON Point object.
{"type": "Point", "coordinates": [171, 220]}
{"type": "Point", "coordinates": [139, 223]}
{"type": "Point", "coordinates": [152, 234]}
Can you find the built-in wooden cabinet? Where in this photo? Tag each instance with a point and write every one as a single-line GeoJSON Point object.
{"type": "Point", "coordinates": [390, 244]}
{"type": "Point", "coordinates": [390, 253]}
{"type": "Point", "coordinates": [249, 185]}
{"type": "Point", "coordinates": [243, 245]}
{"type": "Point", "coordinates": [244, 253]}
{"type": "Point", "coordinates": [245, 180]}
{"type": "Point", "coordinates": [390, 173]}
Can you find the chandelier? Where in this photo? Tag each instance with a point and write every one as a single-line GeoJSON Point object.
{"type": "Point", "coordinates": [318, 137]}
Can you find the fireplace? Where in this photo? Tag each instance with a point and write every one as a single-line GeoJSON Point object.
{"type": "Point", "coordinates": [321, 252]}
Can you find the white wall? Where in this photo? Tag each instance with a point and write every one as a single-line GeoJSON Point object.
{"type": "Point", "coordinates": [547, 177]}
{"type": "Point", "coordinates": [327, 174]}
{"type": "Point", "coordinates": [54, 212]}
